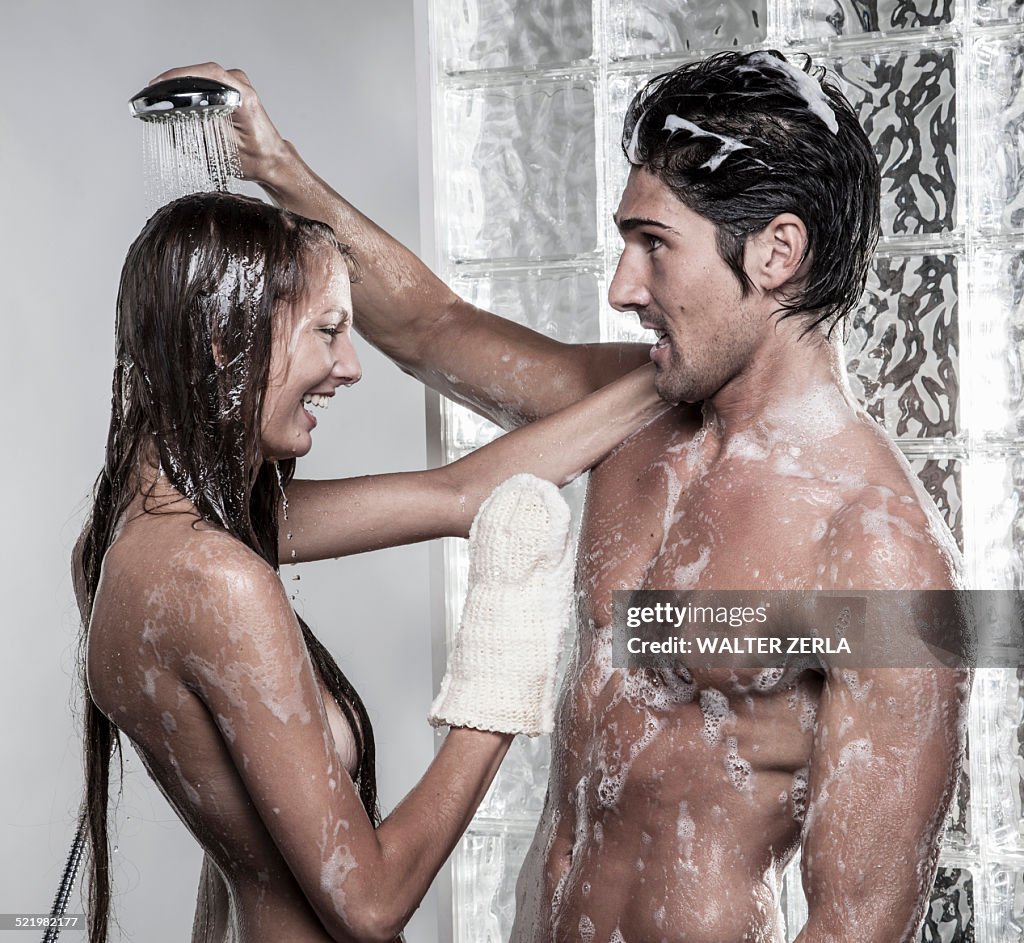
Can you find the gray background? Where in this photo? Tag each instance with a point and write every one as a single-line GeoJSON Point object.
{"type": "Point", "coordinates": [339, 79]}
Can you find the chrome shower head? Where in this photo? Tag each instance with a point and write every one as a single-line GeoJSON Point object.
{"type": "Point", "coordinates": [189, 95]}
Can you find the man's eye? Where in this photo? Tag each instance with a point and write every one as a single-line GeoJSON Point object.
{"type": "Point", "coordinates": [653, 242]}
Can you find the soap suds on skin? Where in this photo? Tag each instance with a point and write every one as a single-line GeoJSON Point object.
{"type": "Point", "coordinates": [714, 705]}
{"type": "Point", "coordinates": [740, 771]}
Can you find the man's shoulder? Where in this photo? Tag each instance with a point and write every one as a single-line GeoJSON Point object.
{"type": "Point", "coordinates": [889, 535]}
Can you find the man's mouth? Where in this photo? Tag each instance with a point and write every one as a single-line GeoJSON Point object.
{"type": "Point", "coordinates": [662, 343]}
{"type": "Point", "coordinates": [661, 333]}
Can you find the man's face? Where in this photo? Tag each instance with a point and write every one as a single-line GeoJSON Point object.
{"type": "Point", "coordinates": [671, 274]}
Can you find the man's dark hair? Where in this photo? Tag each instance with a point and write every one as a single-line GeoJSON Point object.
{"type": "Point", "coordinates": [740, 138]}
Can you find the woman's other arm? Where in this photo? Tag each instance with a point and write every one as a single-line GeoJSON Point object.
{"type": "Point", "coordinates": [351, 515]}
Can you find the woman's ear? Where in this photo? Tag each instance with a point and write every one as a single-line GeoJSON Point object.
{"type": "Point", "coordinates": [777, 255]}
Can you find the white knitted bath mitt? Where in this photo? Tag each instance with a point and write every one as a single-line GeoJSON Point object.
{"type": "Point", "coordinates": [501, 671]}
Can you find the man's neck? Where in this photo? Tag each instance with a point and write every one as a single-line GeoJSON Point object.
{"type": "Point", "coordinates": [795, 390]}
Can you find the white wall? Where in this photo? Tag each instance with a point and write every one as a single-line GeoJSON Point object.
{"type": "Point", "coordinates": [338, 77]}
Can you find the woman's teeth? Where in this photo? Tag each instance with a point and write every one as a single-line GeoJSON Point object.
{"type": "Point", "coordinates": [316, 399]}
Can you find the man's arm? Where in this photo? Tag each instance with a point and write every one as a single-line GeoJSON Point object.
{"type": "Point", "coordinates": [505, 371]}
{"type": "Point", "coordinates": [887, 750]}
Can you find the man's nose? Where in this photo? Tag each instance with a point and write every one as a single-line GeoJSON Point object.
{"type": "Point", "coordinates": [628, 290]}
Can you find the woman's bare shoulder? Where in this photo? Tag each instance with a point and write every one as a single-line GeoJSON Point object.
{"type": "Point", "coordinates": [179, 609]}
{"type": "Point", "coordinates": [157, 550]}
{"type": "Point", "coordinates": [175, 577]}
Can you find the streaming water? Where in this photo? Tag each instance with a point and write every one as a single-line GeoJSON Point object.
{"type": "Point", "coordinates": [284, 514]}
{"type": "Point", "coordinates": [191, 152]}
{"type": "Point", "coordinates": [284, 496]}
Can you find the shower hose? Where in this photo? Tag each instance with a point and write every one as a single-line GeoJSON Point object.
{"type": "Point", "coordinates": [67, 882]}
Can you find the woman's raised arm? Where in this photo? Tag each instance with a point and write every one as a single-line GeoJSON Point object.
{"type": "Point", "coordinates": [503, 370]}
{"type": "Point", "coordinates": [350, 515]}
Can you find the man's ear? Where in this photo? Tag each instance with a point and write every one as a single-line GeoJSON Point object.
{"type": "Point", "coordinates": [777, 255]}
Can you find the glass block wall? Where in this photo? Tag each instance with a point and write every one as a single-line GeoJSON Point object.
{"type": "Point", "coordinates": [527, 102]}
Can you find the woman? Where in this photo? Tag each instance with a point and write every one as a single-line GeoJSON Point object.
{"type": "Point", "coordinates": [233, 318]}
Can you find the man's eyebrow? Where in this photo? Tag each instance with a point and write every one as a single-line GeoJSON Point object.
{"type": "Point", "coordinates": [635, 222]}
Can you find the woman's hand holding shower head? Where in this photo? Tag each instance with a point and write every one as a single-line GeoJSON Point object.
{"type": "Point", "coordinates": [502, 670]}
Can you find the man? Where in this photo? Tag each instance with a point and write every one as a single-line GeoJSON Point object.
{"type": "Point", "coordinates": [676, 799]}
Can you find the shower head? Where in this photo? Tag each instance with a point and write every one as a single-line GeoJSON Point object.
{"type": "Point", "coordinates": [189, 95]}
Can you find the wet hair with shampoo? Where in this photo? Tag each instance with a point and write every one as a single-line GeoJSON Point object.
{"type": "Point", "coordinates": [742, 137]}
{"type": "Point", "coordinates": [201, 290]}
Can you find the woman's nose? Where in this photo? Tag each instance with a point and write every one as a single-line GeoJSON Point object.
{"type": "Point", "coordinates": [347, 369]}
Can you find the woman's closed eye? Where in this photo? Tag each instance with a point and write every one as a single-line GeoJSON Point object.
{"type": "Point", "coordinates": [333, 330]}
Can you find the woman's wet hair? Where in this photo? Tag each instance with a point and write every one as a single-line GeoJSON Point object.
{"type": "Point", "coordinates": [201, 291]}
{"type": "Point", "coordinates": [740, 138]}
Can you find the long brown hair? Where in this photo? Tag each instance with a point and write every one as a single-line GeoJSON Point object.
{"type": "Point", "coordinates": [200, 289]}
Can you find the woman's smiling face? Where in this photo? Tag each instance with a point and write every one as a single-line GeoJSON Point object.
{"type": "Point", "coordinates": [312, 356]}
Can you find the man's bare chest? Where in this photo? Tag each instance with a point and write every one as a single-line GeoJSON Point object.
{"type": "Point", "coordinates": [731, 529]}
